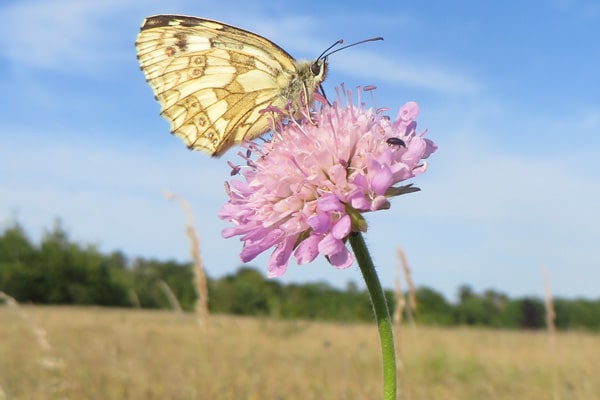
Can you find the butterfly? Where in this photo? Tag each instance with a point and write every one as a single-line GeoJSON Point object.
{"type": "Point", "coordinates": [214, 81]}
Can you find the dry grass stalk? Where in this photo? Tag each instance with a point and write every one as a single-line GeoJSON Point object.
{"type": "Point", "coordinates": [8, 301]}
{"type": "Point", "coordinates": [48, 360]}
{"type": "Point", "coordinates": [549, 306]}
{"type": "Point", "coordinates": [411, 309]}
{"type": "Point", "coordinates": [397, 320]}
{"type": "Point", "coordinates": [201, 306]}
{"type": "Point", "coordinates": [200, 282]}
{"type": "Point", "coordinates": [39, 333]}
{"type": "Point", "coordinates": [398, 299]}
{"type": "Point", "coordinates": [170, 295]}
{"type": "Point", "coordinates": [551, 327]}
{"type": "Point", "coordinates": [412, 295]}
{"type": "Point", "coordinates": [135, 300]}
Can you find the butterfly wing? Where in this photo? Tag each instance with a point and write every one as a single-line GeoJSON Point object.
{"type": "Point", "coordinates": [212, 80]}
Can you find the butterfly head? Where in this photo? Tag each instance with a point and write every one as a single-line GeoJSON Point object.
{"type": "Point", "coordinates": [318, 69]}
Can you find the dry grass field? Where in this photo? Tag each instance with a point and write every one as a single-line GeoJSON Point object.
{"type": "Point", "coordinates": [105, 354]}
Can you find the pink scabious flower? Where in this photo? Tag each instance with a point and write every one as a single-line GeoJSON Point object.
{"type": "Point", "coordinates": [307, 188]}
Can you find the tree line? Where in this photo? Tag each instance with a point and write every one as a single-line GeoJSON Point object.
{"type": "Point", "coordinates": [60, 271]}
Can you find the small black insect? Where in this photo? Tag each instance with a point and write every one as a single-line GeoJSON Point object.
{"type": "Point", "coordinates": [394, 141]}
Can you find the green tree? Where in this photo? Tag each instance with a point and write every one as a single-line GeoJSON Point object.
{"type": "Point", "coordinates": [250, 293]}
{"type": "Point", "coordinates": [17, 255]}
{"type": "Point", "coordinates": [433, 309]}
{"type": "Point", "coordinates": [524, 313]}
{"type": "Point", "coordinates": [577, 314]}
{"type": "Point", "coordinates": [15, 247]}
{"type": "Point", "coordinates": [478, 310]}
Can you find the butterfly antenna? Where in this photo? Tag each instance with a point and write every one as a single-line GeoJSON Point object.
{"type": "Point", "coordinates": [325, 54]}
{"type": "Point", "coordinates": [339, 41]}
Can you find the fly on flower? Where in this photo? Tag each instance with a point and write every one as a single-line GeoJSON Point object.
{"type": "Point", "coordinates": [308, 188]}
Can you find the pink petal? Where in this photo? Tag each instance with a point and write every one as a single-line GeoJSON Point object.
{"type": "Point", "coordinates": [341, 228]}
{"type": "Point", "coordinates": [280, 257]}
{"type": "Point", "coordinates": [408, 112]}
{"type": "Point", "coordinates": [415, 151]}
{"type": "Point", "coordinates": [320, 223]}
{"type": "Point", "coordinates": [359, 202]}
{"type": "Point", "coordinates": [382, 179]}
{"type": "Point", "coordinates": [330, 245]}
{"type": "Point", "coordinates": [230, 232]}
{"type": "Point", "coordinates": [342, 259]}
{"type": "Point", "coordinates": [308, 249]}
{"type": "Point", "coordinates": [430, 148]}
{"type": "Point", "coordinates": [252, 248]}
{"type": "Point", "coordinates": [329, 203]}
{"type": "Point", "coordinates": [250, 251]}
{"type": "Point", "coordinates": [380, 203]}
{"type": "Point", "coordinates": [360, 181]}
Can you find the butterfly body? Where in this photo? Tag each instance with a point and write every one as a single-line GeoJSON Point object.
{"type": "Point", "coordinates": [215, 81]}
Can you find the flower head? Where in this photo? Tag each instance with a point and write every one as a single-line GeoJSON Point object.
{"type": "Point", "coordinates": [308, 187]}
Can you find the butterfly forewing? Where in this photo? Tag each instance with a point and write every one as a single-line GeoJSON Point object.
{"type": "Point", "coordinates": [213, 81]}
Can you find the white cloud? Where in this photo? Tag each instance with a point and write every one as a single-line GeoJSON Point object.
{"type": "Point", "coordinates": [425, 76]}
{"type": "Point", "coordinates": [481, 181]}
{"type": "Point", "coordinates": [110, 193]}
{"type": "Point", "coordinates": [66, 35]}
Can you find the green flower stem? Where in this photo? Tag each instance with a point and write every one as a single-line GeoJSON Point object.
{"type": "Point", "coordinates": [382, 314]}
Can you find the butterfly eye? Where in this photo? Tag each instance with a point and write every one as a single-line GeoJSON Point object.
{"type": "Point", "coordinates": [316, 69]}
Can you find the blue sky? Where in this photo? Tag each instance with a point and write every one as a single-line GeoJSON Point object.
{"type": "Point", "coordinates": [510, 93]}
